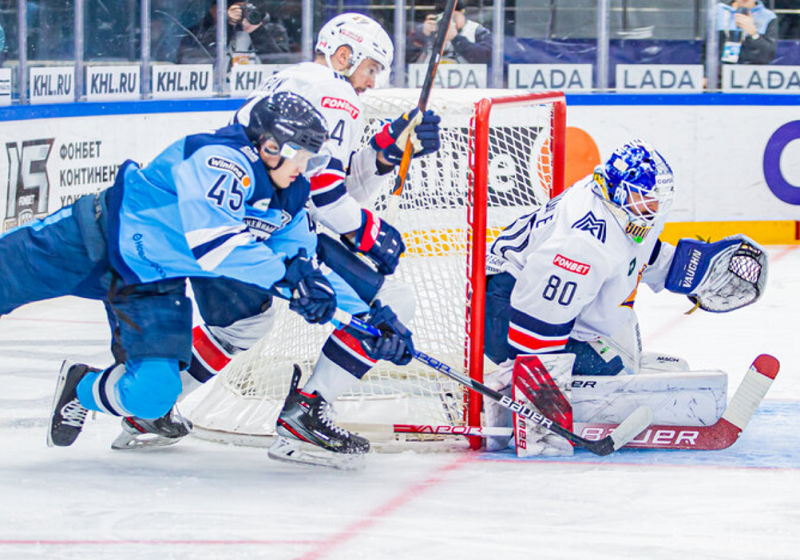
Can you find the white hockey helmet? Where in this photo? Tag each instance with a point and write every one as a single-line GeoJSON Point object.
{"type": "Point", "coordinates": [364, 36]}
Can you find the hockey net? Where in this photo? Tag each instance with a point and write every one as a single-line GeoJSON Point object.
{"type": "Point", "coordinates": [502, 155]}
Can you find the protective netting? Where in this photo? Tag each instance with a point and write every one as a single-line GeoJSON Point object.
{"type": "Point", "coordinates": [435, 217]}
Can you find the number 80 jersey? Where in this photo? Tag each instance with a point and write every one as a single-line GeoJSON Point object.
{"type": "Point", "coordinates": [577, 272]}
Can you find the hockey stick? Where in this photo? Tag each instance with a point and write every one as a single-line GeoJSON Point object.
{"type": "Point", "coordinates": [393, 203]}
{"type": "Point", "coordinates": [627, 430]}
{"type": "Point", "coordinates": [720, 435]}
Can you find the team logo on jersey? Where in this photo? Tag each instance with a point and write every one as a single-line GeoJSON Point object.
{"type": "Point", "coordinates": [592, 225]}
{"type": "Point", "coordinates": [631, 299]}
{"type": "Point", "coordinates": [216, 162]}
{"type": "Point", "coordinates": [570, 265]}
{"type": "Point", "coordinates": [250, 153]}
{"type": "Point", "coordinates": [632, 266]}
{"type": "Point", "coordinates": [342, 105]}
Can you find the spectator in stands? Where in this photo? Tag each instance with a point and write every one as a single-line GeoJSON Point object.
{"type": "Point", "coordinates": [467, 40]}
{"type": "Point", "coordinates": [789, 26]}
{"type": "Point", "coordinates": [252, 38]}
{"type": "Point", "coordinates": [748, 32]}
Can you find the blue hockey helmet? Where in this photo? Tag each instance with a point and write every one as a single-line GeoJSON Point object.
{"type": "Point", "coordinates": [286, 124]}
{"type": "Point", "coordinates": [637, 179]}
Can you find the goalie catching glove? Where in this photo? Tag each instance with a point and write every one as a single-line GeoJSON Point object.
{"type": "Point", "coordinates": [422, 129]}
{"type": "Point", "coordinates": [378, 241]}
{"type": "Point", "coordinates": [313, 297]}
{"type": "Point", "coordinates": [395, 345]}
{"type": "Point", "coordinates": [721, 276]}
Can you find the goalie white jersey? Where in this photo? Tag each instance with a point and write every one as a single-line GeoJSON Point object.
{"type": "Point", "coordinates": [576, 270]}
{"type": "Point", "coordinates": [337, 192]}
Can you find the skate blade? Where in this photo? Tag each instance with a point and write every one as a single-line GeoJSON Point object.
{"type": "Point", "coordinates": [62, 378]}
{"type": "Point", "coordinates": [127, 441]}
{"type": "Point", "coordinates": [293, 451]}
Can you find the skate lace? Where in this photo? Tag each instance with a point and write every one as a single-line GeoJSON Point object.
{"type": "Point", "coordinates": [73, 414]}
{"type": "Point", "coordinates": [326, 414]}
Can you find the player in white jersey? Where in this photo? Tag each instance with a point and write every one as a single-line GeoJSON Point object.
{"type": "Point", "coordinates": [353, 53]}
{"type": "Point", "coordinates": [563, 279]}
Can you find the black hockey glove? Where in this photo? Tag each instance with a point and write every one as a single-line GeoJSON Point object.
{"type": "Point", "coordinates": [395, 345]}
{"type": "Point", "coordinates": [313, 297]}
{"type": "Point", "coordinates": [422, 129]}
{"type": "Point", "coordinates": [379, 241]}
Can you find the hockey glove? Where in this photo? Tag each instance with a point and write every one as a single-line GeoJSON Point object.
{"type": "Point", "coordinates": [422, 129]}
{"type": "Point", "coordinates": [395, 345]}
{"type": "Point", "coordinates": [313, 297]}
{"type": "Point", "coordinates": [721, 276]}
{"type": "Point", "coordinates": [379, 241]}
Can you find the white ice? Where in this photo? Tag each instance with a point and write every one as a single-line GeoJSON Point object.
{"type": "Point", "coordinates": [199, 500]}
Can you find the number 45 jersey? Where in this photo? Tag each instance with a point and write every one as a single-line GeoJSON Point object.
{"type": "Point", "coordinates": [205, 206]}
{"type": "Point", "coordinates": [577, 271]}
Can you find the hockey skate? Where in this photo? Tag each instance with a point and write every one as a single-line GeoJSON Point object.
{"type": "Point", "coordinates": [307, 435]}
{"type": "Point", "coordinates": [68, 414]}
{"type": "Point", "coordinates": [138, 433]}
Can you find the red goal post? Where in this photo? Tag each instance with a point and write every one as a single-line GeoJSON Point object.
{"type": "Point", "coordinates": [480, 190]}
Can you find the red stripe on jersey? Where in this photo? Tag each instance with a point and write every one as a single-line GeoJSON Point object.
{"type": "Point", "coordinates": [533, 343]}
{"type": "Point", "coordinates": [208, 350]}
{"type": "Point", "coordinates": [325, 180]}
{"type": "Point", "coordinates": [352, 343]}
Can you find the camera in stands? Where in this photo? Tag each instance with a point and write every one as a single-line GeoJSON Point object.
{"type": "Point", "coordinates": [253, 14]}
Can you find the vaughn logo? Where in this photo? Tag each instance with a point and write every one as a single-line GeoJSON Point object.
{"type": "Point", "coordinates": [570, 265]}
{"type": "Point", "coordinates": [691, 268]}
{"type": "Point", "coordinates": [28, 183]}
{"type": "Point", "coordinates": [341, 104]}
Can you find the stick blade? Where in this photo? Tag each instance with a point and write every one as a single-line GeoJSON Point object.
{"type": "Point", "coordinates": [632, 426]}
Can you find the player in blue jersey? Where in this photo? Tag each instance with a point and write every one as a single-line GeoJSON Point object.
{"type": "Point", "coordinates": [186, 215]}
{"type": "Point", "coordinates": [352, 52]}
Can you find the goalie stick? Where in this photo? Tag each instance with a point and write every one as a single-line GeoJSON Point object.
{"type": "Point", "coordinates": [720, 435]}
{"type": "Point", "coordinates": [433, 64]}
{"type": "Point", "coordinates": [622, 434]}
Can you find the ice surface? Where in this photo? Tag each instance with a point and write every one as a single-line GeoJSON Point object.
{"type": "Point", "coordinates": [198, 500]}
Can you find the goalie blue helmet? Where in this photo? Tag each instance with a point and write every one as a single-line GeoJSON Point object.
{"type": "Point", "coordinates": [286, 124]}
{"type": "Point", "coordinates": [638, 180]}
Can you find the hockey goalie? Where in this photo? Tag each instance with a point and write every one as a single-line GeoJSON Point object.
{"type": "Point", "coordinates": [561, 286]}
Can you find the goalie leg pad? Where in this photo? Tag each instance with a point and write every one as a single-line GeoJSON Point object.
{"type": "Point", "coordinates": [543, 381]}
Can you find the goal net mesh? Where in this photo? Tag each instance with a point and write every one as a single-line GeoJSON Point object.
{"type": "Point", "coordinates": [435, 216]}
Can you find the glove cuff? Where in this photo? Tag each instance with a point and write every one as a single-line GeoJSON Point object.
{"type": "Point", "coordinates": [383, 139]}
{"type": "Point", "coordinates": [368, 232]}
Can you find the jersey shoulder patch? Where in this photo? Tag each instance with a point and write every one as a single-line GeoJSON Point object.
{"type": "Point", "coordinates": [593, 225]}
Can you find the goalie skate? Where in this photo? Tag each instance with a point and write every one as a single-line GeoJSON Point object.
{"type": "Point", "coordinates": [138, 433]}
{"type": "Point", "coordinates": [68, 414]}
{"type": "Point", "coordinates": [309, 436]}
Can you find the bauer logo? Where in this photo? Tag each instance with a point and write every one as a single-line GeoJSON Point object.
{"type": "Point", "coordinates": [570, 265]}
{"type": "Point", "coordinates": [341, 104]}
{"type": "Point", "coordinates": [28, 183]}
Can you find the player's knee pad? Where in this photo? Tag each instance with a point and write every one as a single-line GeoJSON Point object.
{"type": "Point", "coordinates": [150, 387]}
{"type": "Point", "coordinates": [400, 297]}
{"type": "Point", "coordinates": [595, 357]}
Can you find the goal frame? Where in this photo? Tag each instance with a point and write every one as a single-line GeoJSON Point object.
{"type": "Point", "coordinates": [478, 220]}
